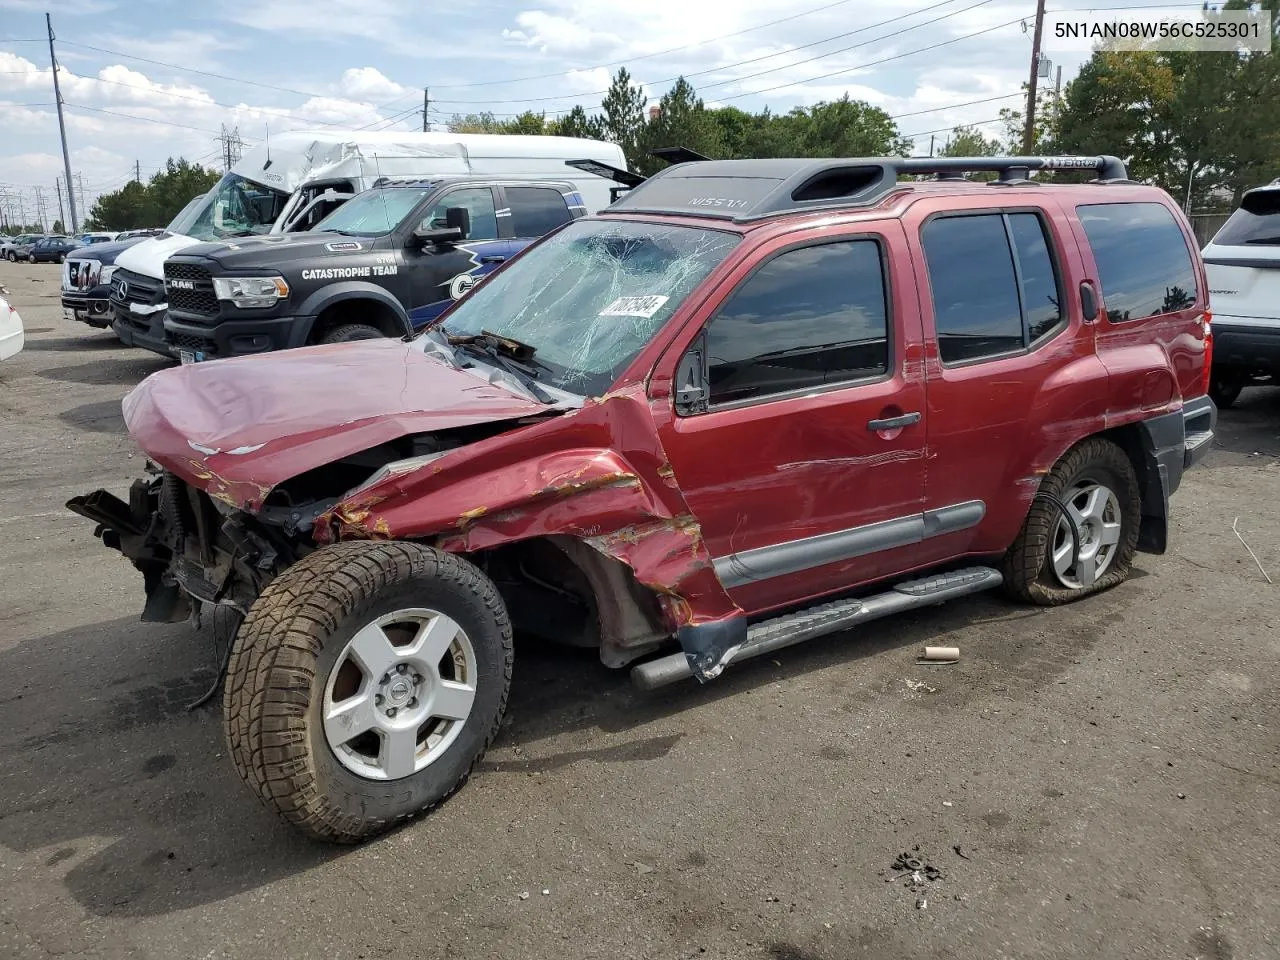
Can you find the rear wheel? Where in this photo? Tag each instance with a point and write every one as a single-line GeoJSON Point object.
{"type": "Point", "coordinates": [352, 331]}
{"type": "Point", "coordinates": [366, 682]}
{"type": "Point", "coordinates": [1096, 484]}
{"type": "Point", "coordinates": [1225, 387]}
{"type": "Point", "coordinates": [13, 257]}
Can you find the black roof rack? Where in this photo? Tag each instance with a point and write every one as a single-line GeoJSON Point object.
{"type": "Point", "coordinates": [745, 190]}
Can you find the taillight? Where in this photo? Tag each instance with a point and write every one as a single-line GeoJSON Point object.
{"type": "Point", "coordinates": [1208, 350]}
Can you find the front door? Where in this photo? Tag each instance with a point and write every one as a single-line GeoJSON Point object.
{"type": "Point", "coordinates": [805, 471]}
{"type": "Point", "coordinates": [438, 275]}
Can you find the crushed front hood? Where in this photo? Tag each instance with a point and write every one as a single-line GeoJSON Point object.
{"type": "Point", "coordinates": [239, 427]}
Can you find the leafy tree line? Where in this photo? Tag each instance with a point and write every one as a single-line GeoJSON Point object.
{"type": "Point", "coordinates": [154, 203]}
{"type": "Point", "coordinates": [1208, 121]}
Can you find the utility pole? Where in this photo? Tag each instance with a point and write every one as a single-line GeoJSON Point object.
{"type": "Point", "coordinates": [62, 126]}
{"type": "Point", "coordinates": [1057, 84]}
{"type": "Point", "coordinates": [61, 213]}
{"type": "Point", "coordinates": [1029, 134]}
{"type": "Point", "coordinates": [426, 105]}
{"type": "Point", "coordinates": [40, 219]}
{"type": "Point", "coordinates": [80, 193]}
{"type": "Point", "coordinates": [931, 144]}
{"type": "Point", "coordinates": [137, 170]}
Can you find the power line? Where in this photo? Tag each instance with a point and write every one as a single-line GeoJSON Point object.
{"type": "Point", "coordinates": [873, 63]}
{"type": "Point", "coordinates": [649, 56]}
{"type": "Point", "coordinates": [130, 116]}
{"type": "Point", "coordinates": [739, 63]}
{"type": "Point", "coordinates": [975, 123]}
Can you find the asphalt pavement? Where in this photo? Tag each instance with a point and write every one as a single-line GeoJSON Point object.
{"type": "Point", "coordinates": [1100, 780]}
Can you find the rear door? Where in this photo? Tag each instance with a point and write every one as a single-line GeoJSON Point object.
{"type": "Point", "coordinates": [805, 471]}
{"type": "Point", "coordinates": [1011, 370]}
{"type": "Point", "coordinates": [534, 212]}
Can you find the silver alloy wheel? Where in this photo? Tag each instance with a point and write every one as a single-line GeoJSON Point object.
{"type": "Point", "coordinates": [399, 694]}
{"type": "Point", "coordinates": [1096, 511]}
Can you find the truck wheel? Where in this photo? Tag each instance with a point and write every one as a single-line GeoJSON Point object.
{"type": "Point", "coordinates": [1225, 387]}
{"type": "Point", "coordinates": [352, 331]}
{"type": "Point", "coordinates": [366, 682]}
{"type": "Point", "coordinates": [1096, 483]}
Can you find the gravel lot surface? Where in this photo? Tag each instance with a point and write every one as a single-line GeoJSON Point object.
{"type": "Point", "coordinates": [1096, 781]}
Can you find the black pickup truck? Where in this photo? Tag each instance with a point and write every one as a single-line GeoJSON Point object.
{"type": "Point", "coordinates": [385, 263]}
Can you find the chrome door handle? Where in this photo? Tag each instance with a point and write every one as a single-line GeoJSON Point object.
{"type": "Point", "coordinates": [893, 423]}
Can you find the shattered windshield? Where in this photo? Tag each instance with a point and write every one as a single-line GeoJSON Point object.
{"type": "Point", "coordinates": [590, 297]}
{"type": "Point", "coordinates": [373, 213]}
{"type": "Point", "coordinates": [236, 207]}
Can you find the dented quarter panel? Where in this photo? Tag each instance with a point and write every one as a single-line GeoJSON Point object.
{"type": "Point", "coordinates": [238, 429]}
{"type": "Point", "coordinates": [598, 474]}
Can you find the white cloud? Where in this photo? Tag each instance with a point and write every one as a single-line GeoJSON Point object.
{"type": "Point", "coordinates": [369, 83]}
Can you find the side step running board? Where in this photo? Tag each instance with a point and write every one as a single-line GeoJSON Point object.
{"type": "Point", "coordinates": [784, 631]}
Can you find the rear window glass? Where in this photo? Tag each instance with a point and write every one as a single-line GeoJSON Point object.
{"type": "Point", "coordinates": [1256, 222]}
{"type": "Point", "coordinates": [1144, 266]}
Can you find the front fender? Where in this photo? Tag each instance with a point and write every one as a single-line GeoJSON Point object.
{"type": "Point", "coordinates": [598, 474]}
{"type": "Point", "coordinates": [333, 293]}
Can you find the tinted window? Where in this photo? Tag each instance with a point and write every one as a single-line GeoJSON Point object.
{"type": "Point", "coordinates": [1041, 302]}
{"type": "Point", "coordinates": [536, 210]}
{"type": "Point", "coordinates": [479, 203]}
{"type": "Point", "coordinates": [808, 317]}
{"type": "Point", "coordinates": [975, 294]}
{"type": "Point", "coordinates": [1144, 267]}
{"type": "Point", "coordinates": [1257, 221]}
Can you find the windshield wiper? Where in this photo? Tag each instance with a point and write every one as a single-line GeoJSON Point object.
{"type": "Point", "coordinates": [485, 344]}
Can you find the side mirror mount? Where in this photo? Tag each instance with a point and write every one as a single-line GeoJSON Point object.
{"type": "Point", "coordinates": [692, 391]}
{"type": "Point", "coordinates": [457, 227]}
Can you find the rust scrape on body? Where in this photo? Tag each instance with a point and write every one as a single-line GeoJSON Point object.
{"type": "Point", "coordinates": [471, 516]}
{"type": "Point", "coordinates": [605, 480]}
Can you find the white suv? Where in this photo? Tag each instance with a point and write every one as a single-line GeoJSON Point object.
{"type": "Point", "coordinates": [1243, 265]}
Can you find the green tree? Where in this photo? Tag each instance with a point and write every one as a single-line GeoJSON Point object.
{"type": "Point", "coordinates": [576, 123]}
{"type": "Point", "coordinates": [683, 121]}
{"type": "Point", "coordinates": [526, 123]}
{"type": "Point", "coordinates": [624, 121]}
{"type": "Point", "coordinates": [474, 123]}
{"type": "Point", "coordinates": [58, 227]}
{"type": "Point", "coordinates": [847, 128]}
{"type": "Point", "coordinates": [969, 142]}
{"type": "Point", "coordinates": [154, 204]}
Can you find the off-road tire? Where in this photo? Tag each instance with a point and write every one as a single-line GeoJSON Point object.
{"type": "Point", "coordinates": [352, 331]}
{"type": "Point", "coordinates": [1027, 573]}
{"type": "Point", "coordinates": [295, 632]}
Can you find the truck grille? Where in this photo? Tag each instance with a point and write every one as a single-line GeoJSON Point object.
{"type": "Point", "coordinates": [190, 289]}
{"type": "Point", "coordinates": [128, 287]}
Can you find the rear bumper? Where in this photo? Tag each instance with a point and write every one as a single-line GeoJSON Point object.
{"type": "Point", "coordinates": [1241, 342]}
{"type": "Point", "coordinates": [237, 338]}
{"type": "Point", "coordinates": [1199, 421]}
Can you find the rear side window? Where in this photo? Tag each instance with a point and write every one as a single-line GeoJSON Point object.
{"type": "Point", "coordinates": [1144, 266]}
{"type": "Point", "coordinates": [536, 210]}
{"type": "Point", "coordinates": [809, 317]}
{"type": "Point", "coordinates": [994, 285]}
{"type": "Point", "coordinates": [1256, 222]}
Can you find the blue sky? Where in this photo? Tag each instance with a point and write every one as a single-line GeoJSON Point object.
{"type": "Point", "coordinates": [355, 63]}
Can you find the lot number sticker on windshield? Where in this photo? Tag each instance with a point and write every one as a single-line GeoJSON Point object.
{"type": "Point", "coordinates": [635, 306]}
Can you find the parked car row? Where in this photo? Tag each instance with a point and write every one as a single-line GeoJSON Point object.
{"type": "Point", "coordinates": [749, 403]}
{"type": "Point", "coordinates": [252, 268]}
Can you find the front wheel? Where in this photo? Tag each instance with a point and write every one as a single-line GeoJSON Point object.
{"type": "Point", "coordinates": [1096, 484]}
{"type": "Point", "coordinates": [352, 331]}
{"type": "Point", "coordinates": [365, 684]}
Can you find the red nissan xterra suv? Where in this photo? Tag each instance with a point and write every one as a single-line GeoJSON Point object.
{"type": "Point", "coordinates": [752, 402]}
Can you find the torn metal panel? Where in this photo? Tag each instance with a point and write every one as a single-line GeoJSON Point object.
{"type": "Point", "coordinates": [598, 474]}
